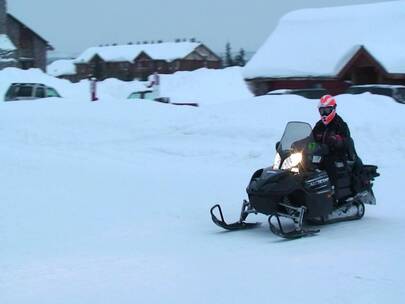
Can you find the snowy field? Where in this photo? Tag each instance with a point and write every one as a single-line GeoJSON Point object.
{"type": "Point", "coordinates": [108, 202]}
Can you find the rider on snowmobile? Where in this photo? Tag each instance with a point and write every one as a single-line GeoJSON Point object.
{"type": "Point", "coordinates": [297, 187]}
{"type": "Point", "coordinates": [332, 132]}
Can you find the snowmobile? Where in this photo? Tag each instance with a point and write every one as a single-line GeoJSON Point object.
{"type": "Point", "coordinates": [296, 193]}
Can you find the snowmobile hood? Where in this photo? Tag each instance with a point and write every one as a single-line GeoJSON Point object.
{"type": "Point", "coordinates": [265, 178]}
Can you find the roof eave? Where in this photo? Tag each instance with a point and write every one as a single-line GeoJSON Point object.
{"type": "Point", "coordinates": [49, 46]}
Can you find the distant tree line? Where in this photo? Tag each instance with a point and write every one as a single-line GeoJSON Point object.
{"type": "Point", "coordinates": [234, 60]}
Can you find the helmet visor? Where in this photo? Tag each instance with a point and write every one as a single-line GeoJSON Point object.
{"type": "Point", "coordinates": [325, 111]}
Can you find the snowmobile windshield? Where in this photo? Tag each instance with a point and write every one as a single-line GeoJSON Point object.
{"type": "Point", "coordinates": [295, 133]}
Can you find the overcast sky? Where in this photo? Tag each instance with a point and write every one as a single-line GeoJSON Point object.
{"type": "Point", "coordinates": [73, 25]}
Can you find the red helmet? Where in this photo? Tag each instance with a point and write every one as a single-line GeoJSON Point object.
{"type": "Point", "coordinates": [327, 108]}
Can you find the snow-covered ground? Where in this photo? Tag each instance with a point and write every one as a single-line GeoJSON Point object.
{"type": "Point", "coordinates": [108, 202]}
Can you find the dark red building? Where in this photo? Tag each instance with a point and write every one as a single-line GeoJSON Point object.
{"type": "Point", "coordinates": [129, 62]}
{"type": "Point", "coordinates": [332, 48]}
{"type": "Point", "coordinates": [361, 68]}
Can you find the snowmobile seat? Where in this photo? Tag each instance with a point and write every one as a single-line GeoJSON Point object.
{"type": "Point", "coordinates": [370, 171]}
{"type": "Point", "coordinates": [362, 179]}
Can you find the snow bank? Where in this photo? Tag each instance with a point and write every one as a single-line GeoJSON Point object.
{"type": "Point", "coordinates": [61, 67]}
{"type": "Point", "coordinates": [109, 202]}
{"type": "Point", "coordinates": [205, 86]}
{"type": "Point", "coordinates": [319, 42]}
{"type": "Point", "coordinates": [118, 89]}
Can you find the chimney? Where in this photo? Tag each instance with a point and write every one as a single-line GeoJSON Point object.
{"type": "Point", "coordinates": [3, 17]}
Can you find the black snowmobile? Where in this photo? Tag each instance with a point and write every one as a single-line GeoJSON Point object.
{"type": "Point", "coordinates": [296, 193]}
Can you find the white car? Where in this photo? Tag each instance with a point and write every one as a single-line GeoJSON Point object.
{"type": "Point", "coordinates": [28, 91]}
{"type": "Point", "coordinates": [149, 95]}
{"type": "Point", "coordinates": [152, 95]}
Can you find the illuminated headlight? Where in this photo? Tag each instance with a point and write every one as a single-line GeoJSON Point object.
{"type": "Point", "coordinates": [292, 161]}
{"type": "Point", "coordinates": [277, 161]}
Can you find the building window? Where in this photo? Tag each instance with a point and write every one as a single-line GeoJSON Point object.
{"type": "Point", "coordinates": [144, 64]}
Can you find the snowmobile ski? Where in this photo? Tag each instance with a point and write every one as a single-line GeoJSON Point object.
{"type": "Point", "coordinates": [239, 225]}
{"type": "Point", "coordinates": [292, 235]}
{"type": "Point", "coordinates": [296, 233]}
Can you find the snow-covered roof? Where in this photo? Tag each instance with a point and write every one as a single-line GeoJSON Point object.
{"type": "Point", "coordinates": [6, 44]}
{"type": "Point", "coordinates": [320, 42]}
{"type": "Point", "coordinates": [168, 51]}
{"type": "Point", "coordinates": [61, 67]}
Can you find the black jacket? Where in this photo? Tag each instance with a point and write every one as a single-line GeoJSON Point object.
{"type": "Point", "coordinates": [336, 135]}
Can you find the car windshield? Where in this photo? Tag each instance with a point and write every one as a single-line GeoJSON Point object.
{"type": "Point", "coordinates": [400, 94]}
{"type": "Point", "coordinates": [135, 96]}
{"type": "Point", "coordinates": [294, 131]}
{"type": "Point", "coordinates": [150, 95]}
{"type": "Point", "coordinates": [50, 92]}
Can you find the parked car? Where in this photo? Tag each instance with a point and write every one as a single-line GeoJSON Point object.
{"type": "Point", "coordinates": [307, 93]}
{"type": "Point", "coordinates": [397, 92]}
{"type": "Point", "coordinates": [28, 91]}
{"type": "Point", "coordinates": [152, 95]}
{"type": "Point", "coordinates": [149, 95]}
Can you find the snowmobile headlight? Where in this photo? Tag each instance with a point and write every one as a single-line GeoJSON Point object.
{"type": "Point", "coordinates": [277, 161]}
{"type": "Point", "coordinates": [292, 161]}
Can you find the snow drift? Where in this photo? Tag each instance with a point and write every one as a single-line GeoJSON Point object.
{"type": "Point", "coordinates": [108, 202]}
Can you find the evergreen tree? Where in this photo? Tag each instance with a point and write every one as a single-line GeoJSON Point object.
{"type": "Point", "coordinates": [228, 55]}
{"type": "Point", "coordinates": [240, 58]}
